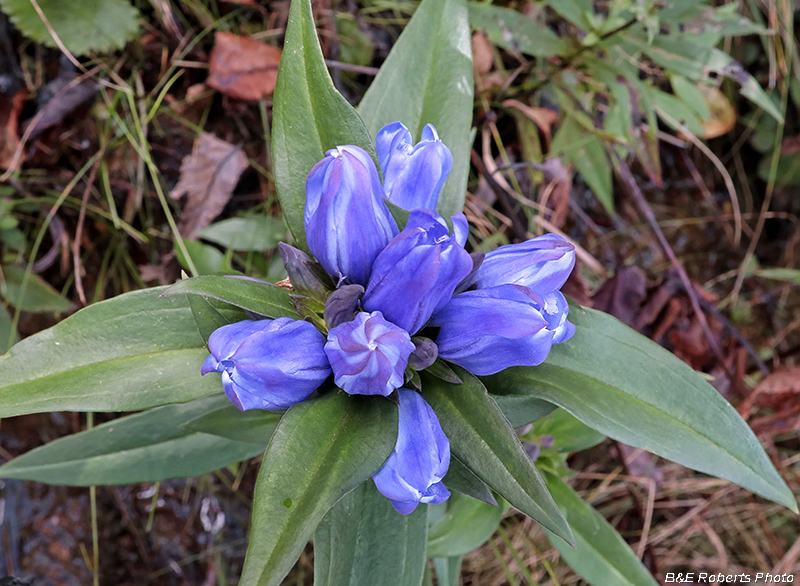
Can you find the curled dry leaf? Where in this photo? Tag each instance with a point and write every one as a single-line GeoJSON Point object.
{"type": "Point", "coordinates": [723, 116]}
{"type": "Point", "coordinates": [10, 107]}
{"type": "Point", "coordinates": [243, 68]}
{"type": "Point", "coordinates": [543, 117]}
{"type": "Point", "coordinates": [208, 176]}
{"type": "Point", "coordinates": [779, 390]}
{"type": "Point", "coordinates": [482, 54]}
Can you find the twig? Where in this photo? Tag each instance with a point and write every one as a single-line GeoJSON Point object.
{"type": "Point", "coordinates": [627, 177]}
{"type": "Point", "coordinates": [76, 244]}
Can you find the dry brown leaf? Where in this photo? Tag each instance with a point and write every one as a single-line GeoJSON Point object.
{"type": "Point", "coordinates": [723, 116]}
{"type": "Point", "coordinates": [779, 390]}
{"type": "Point", "coordinates": [208, 176]}
{"type": "Point", "coordinates": [243, 68]}
{"type": "Point", "coordinates": [482, 54]}
{"type": "Point", "coordinates": [543, 117]}
{"type": "Point", "coordinates": [622, 296]}
{"type": "Point", "coordinates": [10, 107]}
{"type": "Point", "coordinates": [554, 194]}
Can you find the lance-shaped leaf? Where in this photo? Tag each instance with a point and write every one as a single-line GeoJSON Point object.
{"type": "Point", "coordinates": [145, 447]}
{"type": "Point", "coordinates": [136, 351]}
{"type": "Point", "coordinates": [633, 390]}
{"type": "Point", "coordinates": [309, 116]}
{"type": "Point", "coordinates": [461, 479]}
{"type": "Point", "coordinates": [482, 439]}
{"type": "Point", "coordinates": [225, 420]}
{"type": "Point", "coordinates": [322, 450]}
{"type": "Point", "coordinates": [427, 78]}
{"type": "Point", "coordinates": [466, 525]}
{"type": "Point", "coordinates": [363, 541]}
{"type": "Point", "coordinates": [251, 294]}
{"type": "Point", "coordinates": [601, 556]}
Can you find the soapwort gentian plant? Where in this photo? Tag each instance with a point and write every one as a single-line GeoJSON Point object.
{"type": "Point", "coordinates": [508, 313]}
{"type": "Point", "coordinates": [386, 384]}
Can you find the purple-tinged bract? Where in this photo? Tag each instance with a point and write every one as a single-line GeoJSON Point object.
{"type": "Point", "coordinates": [413, 175]}
{"type": "Point", "coordinates": [418, 271]}
{"type": "Point", "coordinates": [368, 355]}
{"type": "Point", "coordinates": [488, 330]}
{"type": "Point", "coordinates": [268, 364]}
{"type": "Point", "coordinates": [413, 473]}
{"type": "Point", "coordinates": [346, 220]}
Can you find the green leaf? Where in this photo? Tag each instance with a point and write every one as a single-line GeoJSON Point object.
{"type": "Point", "coordinates": [584, 150]}
{"type": "Point", "coordinates": [256, 233]}
{"type": "Point", "coordinates": [322, 450]}
{"type": "Point", "coordinates": [207, 259]}
{"type": "Point", "coordinates": [461, 479]}
{"type": "Point", "coordinates": [136, 351]}
{"type": "Point", "coordinates": [466, 525]}
{"type": "Point", "coordinates": [145, 447]}
{"type": "Point", "coordinates": [309, 116]}
{"type": "Point", "coordinates": [207, 317]}
{"type": "Point", "coordinates": [363, 541]}
{"type": "Point", "coordinates": [448, 570]}
{"type": "Point", "coordinates": [521, 410]}
{"type": "Point", "coordinates": [631, 389]}
{"type": "Point", "coordinates": [481, 438]}
{"type": "Point", "coordinates": [88, 25]}
{"type": "Point", "coordinates": [602, 557]}
{"type": "Point", "coordinates": [251, 294]}
{"type": "Point", "coordinates": [38, 295]}
{"type": "Point", "coordinates": [6, 325]}
{"type": "Point", "coordinates": [255, 426]}
{"type": "Point", "coordinates": [578, 12]}
{"type": "Point", "coordinates": [427, 78]}
{"type": "Point", "coordinates": [569, 433]}
{"type": "Point", "coordinates": [514, 31]}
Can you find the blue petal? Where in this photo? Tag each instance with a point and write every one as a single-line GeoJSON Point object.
{"type": "Point", "coordinates": [347, 222]}
{"type": "Point", "coordinates": [488, 330]}
{"type": "Point", "coordinates": [413, 176]}
{"type": "Point", "coordinates": [543, 263]}
{"type": "Point", "coordinates": [421, 457]}
{"type": "Point", "coordinates": [368, 355]}
{"type": "Point", "coordinates": [417, 272]}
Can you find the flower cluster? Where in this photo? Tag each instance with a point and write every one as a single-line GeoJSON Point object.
{"type": "Point", "coordinates": [396, 301]}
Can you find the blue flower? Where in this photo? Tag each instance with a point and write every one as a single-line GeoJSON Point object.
{"type": "Point", "coordinates": [346, 220]}
{"type": "Point", "coordinates": [268, 364]}
{"type": "Point", "coordinates": [543, 263]}
{"type": "Point", "coordinates": [413, 473]}
{"type": "Point", "coordinates": [368, 355]}
{"type": "Point", "coordinates": [419, 270]}
{"type": "Point", "coordinates": [488, 330]}
{"type": "Point", "coordinates": [413, 175]}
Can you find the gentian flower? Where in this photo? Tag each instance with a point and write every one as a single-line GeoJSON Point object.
{"type": "Point", "coordinates": [488, 330]}
{"type": "Point", "coordinates": [368, 355]}
{"type": "Point", "coordinates": [413, 175]}
{"type": "Point", "coordinates": [346, 220]}
{"type": "Point", "coordinates": [268, 364]}
{"type": "Point", "coordinates": [413, 473]}
{"type": "Point", "coordinates": [419, 270]}
{"type": "Point", "coordinates": [543, 263]}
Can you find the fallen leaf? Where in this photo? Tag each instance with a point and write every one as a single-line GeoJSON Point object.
{"type": "Point", "coordinates": [622, 295]}
{"type": "Point", "coordinates": [723, 116]}
{"type": "Point", "coordinates": [482, 54]}
{"type": "Point", "coordinates": [543, 117]}
{"type": "Point", "coordinates": [10, 107]}
{"type": "Point", "coordinates": [642, 464]}
{"type": "Point", "coordinates": [209, 176]}
{"type": "Point", "coordinates": [779, 390]}
{"type": "Point", "coordinates": [554, 194]}
{"type": "Point", "coordinates": [243, 68]}
{"type": "Point", "coordinates": [60, 97]}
